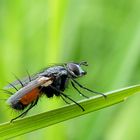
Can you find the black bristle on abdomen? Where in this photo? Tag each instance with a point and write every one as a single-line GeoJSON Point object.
{"type": "Point", "coordinates": [18, 106]}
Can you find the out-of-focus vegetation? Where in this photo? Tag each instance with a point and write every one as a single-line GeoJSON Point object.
{"type": "Point", "coordinates": [34, 34]}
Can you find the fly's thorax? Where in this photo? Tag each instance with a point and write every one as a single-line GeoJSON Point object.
{"type": "Point", "coordinates": [53, 71]}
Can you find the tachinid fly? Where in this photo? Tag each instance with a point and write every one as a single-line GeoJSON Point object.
{"type": "Point", "coordinates": [51, 81]}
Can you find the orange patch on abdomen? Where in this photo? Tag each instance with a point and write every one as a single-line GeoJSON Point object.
{"type": "Point", "coordinates": [30, 97]}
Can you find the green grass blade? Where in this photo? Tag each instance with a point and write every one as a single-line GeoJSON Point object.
{"type": "Point", "coordinates": [28, 124]}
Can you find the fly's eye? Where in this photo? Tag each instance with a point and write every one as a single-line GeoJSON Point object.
{"type": "Point", "coordinates": [74, 69]}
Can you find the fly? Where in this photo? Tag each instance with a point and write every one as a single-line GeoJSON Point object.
{"type": "Point", "coordinates": [51, 81]}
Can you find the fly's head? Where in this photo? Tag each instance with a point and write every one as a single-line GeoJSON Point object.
{"type": "Point", "coordinates": [75, 69]}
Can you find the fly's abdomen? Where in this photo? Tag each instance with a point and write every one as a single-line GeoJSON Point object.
{"type": "Point", "coordinates": [30, 97]}
{"type": "Point", "coordinates": [25, 100]}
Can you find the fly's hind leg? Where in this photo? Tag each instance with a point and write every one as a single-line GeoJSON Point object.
{"type": "Point", "coordinates": [26, 111]}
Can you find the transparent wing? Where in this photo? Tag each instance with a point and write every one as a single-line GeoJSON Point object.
{"type": "Point", "coordinates": [40, 81]}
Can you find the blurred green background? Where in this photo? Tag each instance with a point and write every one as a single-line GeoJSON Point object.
{"type": "Point", "coordinates": [105, 33]}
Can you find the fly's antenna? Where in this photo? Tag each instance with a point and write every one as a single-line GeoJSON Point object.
{"type": "Point", "coordinates": [84, 63]}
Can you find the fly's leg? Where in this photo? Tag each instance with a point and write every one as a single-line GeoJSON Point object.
{"type": "Point", "coordinates": [68, 97]}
